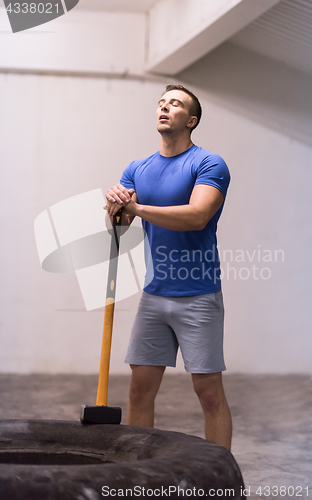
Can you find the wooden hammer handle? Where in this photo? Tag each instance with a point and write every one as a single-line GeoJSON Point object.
{"type": "Point", "coordinates": [109, 313]}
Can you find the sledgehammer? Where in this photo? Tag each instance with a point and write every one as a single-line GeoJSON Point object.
{"type": "Point", "coordinates": [101, 413]}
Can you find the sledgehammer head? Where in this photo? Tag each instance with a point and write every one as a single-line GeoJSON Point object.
{"type": "Point", "coordinates": [100, 415]}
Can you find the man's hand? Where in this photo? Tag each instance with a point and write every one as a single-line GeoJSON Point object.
{"type": "Point", "coordinates": [131, 207]}
{"type": "Point", "coordinates": [117, 196]}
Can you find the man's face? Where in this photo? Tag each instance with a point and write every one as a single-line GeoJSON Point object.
{"type": "Point", "coordinates": [173, 113]}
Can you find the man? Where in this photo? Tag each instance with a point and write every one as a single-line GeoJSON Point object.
{"type": "Point", "coordinates": [179, 194]}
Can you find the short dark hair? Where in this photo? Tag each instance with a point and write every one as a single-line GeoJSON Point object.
{"type": "Point", "coordinates": [195, 109]}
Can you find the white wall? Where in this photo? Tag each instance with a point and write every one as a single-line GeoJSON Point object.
{"type": "Point", "coordinates": [258, 115]}
{"type": "Point", "coordinates": [61, 136]}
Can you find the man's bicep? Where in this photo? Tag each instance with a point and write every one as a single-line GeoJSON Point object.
{"type": "Point", "coordinates": [207, 199]}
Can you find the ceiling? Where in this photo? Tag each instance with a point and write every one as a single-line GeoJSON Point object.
{"type": "Point", "coordinates": [116, 5]}
{"type": "Point", "coordinates": [283, 33]}
{"type": "Point", "coordinates": [113, 5]}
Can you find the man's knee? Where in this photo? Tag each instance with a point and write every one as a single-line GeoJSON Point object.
{"type": "Point", "coordinates": [138, 394]}
{"type": "Point", "coordinates": [145, 382]}
{"type": "Point", "coordinates": [209, 389]}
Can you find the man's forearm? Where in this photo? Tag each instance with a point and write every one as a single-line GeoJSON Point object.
{"type": "Point", "coordinates": [176, 218]}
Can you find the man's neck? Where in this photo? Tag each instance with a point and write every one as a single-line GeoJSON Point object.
{"type": "Point", "coordinates": [170, 146]}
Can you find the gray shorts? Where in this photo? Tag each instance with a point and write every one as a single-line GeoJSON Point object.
{"type": "Point", "coordinates": [193, 323]}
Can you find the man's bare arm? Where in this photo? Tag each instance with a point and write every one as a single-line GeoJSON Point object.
{"type": "Point", "coordinates": [205, 201]}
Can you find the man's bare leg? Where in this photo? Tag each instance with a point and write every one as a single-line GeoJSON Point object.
{"type": "Point", "coordinates": [145, 382]}
{"type": "Point", "coordinates": [218, 422]}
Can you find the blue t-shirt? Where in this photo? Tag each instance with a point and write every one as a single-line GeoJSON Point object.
{"type": "Point", "coordinates": [183, 262]}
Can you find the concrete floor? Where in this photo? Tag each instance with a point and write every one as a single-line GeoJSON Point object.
{"type": "Point", "coordinates": [271, 419]}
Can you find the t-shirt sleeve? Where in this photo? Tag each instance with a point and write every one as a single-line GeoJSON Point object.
{"type": "Point", "coordinates": [213, 171]}
{"type": "Point", "coordinates": [127, 178]}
